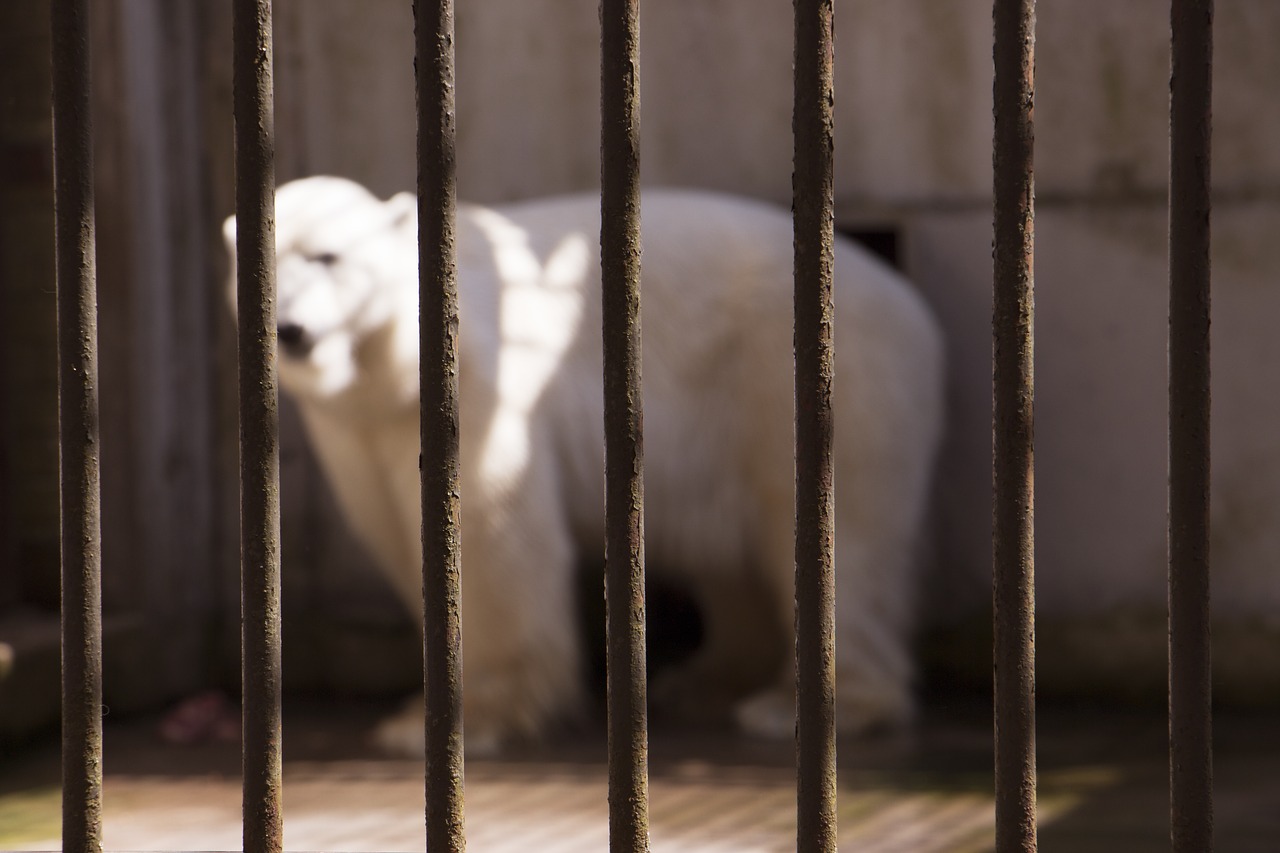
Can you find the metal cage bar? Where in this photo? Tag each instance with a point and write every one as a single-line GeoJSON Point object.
{"type": "Point", "coordinates": [814, 206]}
{"type": "Point", "coordinates": [1013, 397]}
{"type": "Point", "coordinates": [259, 425]}
{"type": "Point", "coordinates": [79, 461]}
{"type": "Point", "coordinates": [1190, 684]}
{"type": "Point", "coordinates": [1013, 426]}
{"type": "Point", "coordinates": [438, 374]}
{"type": "Point", "coordinates": [623, 422]}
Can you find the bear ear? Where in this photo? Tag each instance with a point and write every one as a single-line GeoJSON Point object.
{"type": "Point", "coordinates": [229, 232]}
{"type": "Point", "coordinates": [403, 208]}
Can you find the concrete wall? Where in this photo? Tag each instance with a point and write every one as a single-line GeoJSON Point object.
{"type": "Point", "coordinates": [912, 84]}
{"type": "Point", "coordinates": [913, 152]}
{"type": "Point", "coordinates": [913, 155]}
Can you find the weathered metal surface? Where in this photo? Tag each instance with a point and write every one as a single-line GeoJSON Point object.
{"type": "Point", "coordinates": [813, 126]}
{"type": "Point", "coordinates": [441, 544]}
{"type": "Point", "coordinates": [1190, 682]}
{"type": "Point", "coordinates": [78, 431]}
{"type": "Point", "coordinates": [623, 421]}
{"type": "Point", "coordinates": [259, 425]}
{"type": "Point", "coordinates": [1013, 436]}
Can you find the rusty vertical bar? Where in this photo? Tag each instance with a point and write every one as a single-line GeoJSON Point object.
{"type": "Point", "coordinates": [1013, 429]}
{"type": "Point", "coordinates": [814, 206]}
{"type": "Point", "coordinates": [78, 431]}
{"type": "Point", "coordinates": [438, 365]}
{"type": "Point", "coordinates": [259, 424]}
{"type": "Point", "coordinates": [623, 422]}
{"type": "Point", "coordinates": [1190, 685]}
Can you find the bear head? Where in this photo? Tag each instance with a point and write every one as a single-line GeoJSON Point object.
{"type": "Point", "coordinates": [346, 279]}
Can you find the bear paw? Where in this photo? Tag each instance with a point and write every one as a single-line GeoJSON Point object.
{"type": "Point", "coordinates": [772, 714]}
{"type": "Point", "coordinates": [404, 734]}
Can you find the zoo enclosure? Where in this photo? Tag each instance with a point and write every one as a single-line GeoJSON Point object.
{"type": "Point", "coordinates": [1188, 504]}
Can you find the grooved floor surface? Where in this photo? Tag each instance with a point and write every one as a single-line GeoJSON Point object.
{"type": "Point", "coordinates": [1102, 788]}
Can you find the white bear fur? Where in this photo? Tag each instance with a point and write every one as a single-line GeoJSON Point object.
{"type": "Point", "coordinates": [718, 431]}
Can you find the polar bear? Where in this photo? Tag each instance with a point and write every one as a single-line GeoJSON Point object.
{"type": "Point", "coordinates": [718, 431]}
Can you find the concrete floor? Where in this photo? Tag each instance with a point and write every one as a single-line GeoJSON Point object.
{"type": "Point", "coordinates": [1102, 788]}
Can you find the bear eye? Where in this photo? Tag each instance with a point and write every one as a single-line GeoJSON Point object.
{"type": "Point", "coordinates": [328, 259]}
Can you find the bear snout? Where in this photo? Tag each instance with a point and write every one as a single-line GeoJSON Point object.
{"type": "Point", "coordinates": [294, 340]}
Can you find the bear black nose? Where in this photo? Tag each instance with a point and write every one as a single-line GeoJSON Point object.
{"type": "Point", "coordinates": [293, 339]}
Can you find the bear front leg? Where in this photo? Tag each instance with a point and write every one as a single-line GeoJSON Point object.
{"type": "Point", "coordinates": [522, 655]}
{"type": "Point", "coordinates": [521, 652]}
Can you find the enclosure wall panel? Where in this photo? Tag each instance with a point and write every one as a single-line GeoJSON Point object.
{"type": "Point", "coordinates": [1013, 425]}
{"type": "Point", "coordinates": [155, 240]}
{"type": "Point", "coordinates": [79, 460]}
{"type": "Point", "coordinates": [29, 532]}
